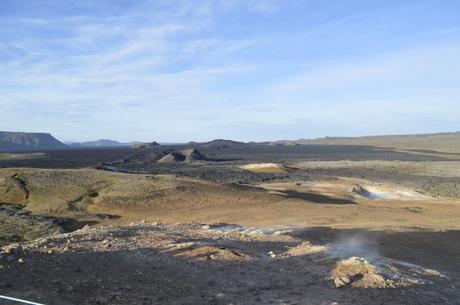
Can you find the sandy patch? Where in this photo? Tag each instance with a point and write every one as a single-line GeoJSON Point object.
{"type": "Point", "coordinates": [349, 189]}
{"type": "Point", "coordinates": [305, 248]}
{"type": "Point", "coordinates": [266, 168]}
{"type": "Point", "coordinates": [388, 192]}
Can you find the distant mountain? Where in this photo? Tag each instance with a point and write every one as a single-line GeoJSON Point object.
{"type": "Point", "coordinates": [28, 141]}
{"type": "Point", "coordinates": [100, 143]}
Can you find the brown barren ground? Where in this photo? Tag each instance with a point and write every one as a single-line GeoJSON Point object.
{"type": "Point", "coordinates": [170, 199]}
{"type": "Point", "coordinates": [161, 239]}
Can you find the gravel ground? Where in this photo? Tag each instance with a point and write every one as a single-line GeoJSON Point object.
{"type": "Point", "coordinates": [196, 264]}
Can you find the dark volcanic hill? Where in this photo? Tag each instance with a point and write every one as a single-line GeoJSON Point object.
{"type": "Point", "coordinates": [185, 155]}
{"type": "Point", "coordinates": [28, 141]}
{"type": "Point", "coordinates": [218, 143]}
{"type": "Point", "coordinates": [145, 145]}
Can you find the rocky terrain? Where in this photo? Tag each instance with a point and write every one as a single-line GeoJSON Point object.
{"type": "Point", "coordinates": [151, 263]}
{"type": "Point", "coordinates": [17, 224]}
{"type": "Point", "coordinates": [230, 223]}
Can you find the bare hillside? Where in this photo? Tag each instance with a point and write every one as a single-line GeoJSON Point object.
{"type": "Point", "coordinates": [439, 142]}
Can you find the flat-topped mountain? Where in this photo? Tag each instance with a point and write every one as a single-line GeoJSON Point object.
{"type": "Point", "coordinates": [28, 141]}
{"type": "Point", "coordinates": [99, 143]}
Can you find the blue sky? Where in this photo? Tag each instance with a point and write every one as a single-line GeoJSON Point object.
{"type": "Point", "coordinates": [241, 69]}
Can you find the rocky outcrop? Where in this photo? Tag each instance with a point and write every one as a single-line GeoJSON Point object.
{"type": "Point", "coordinates": [145, 145]}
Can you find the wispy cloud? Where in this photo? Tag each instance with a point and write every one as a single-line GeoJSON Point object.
{"type": "Point", "coordinates": [203, 67]}
{"type": "Point", "coordinates": [411, 66]}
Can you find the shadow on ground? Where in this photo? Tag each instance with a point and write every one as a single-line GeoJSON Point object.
{"type": "Point", "coordinates": [316, 198]}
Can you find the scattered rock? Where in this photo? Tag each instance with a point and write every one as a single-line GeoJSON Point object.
{"type": "Point", "coordinates": [305, 248]}
{"type": "Point", "coordinates": [181, 246]}
{"type": "Point", "coordinates": [69, 288]}
{"type": "Point", "coordinates": [101, 301]}
{"type": "Point", "coordinates": [13, 249]}
{"type": "Point", "coordinates": [93, 193]}
{"type": "Point", "coordinates": [341, 281]}
{"type": "Point", "coordinates": [212, 252]}
{"type": "Point", "coordinates": [220, 296]}
{"type": "Point", "coordinates": [358, 273]}
{"type": "Point", "coordinates": [432, 272]}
